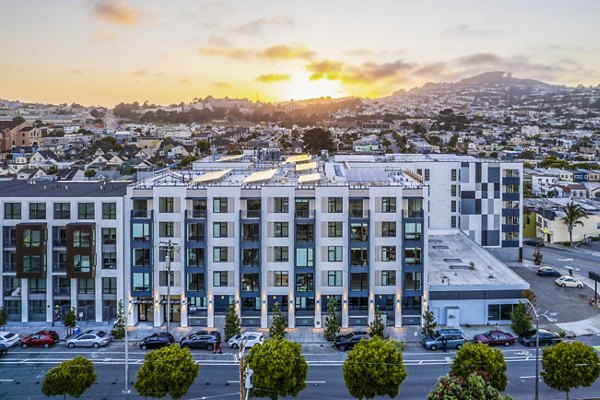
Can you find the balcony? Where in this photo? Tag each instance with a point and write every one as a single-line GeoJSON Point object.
{"type": "Point", "coordinates": [59, 267]}
{"type": "Point", "coordinates": [413, 213]}
{"type": "Point", "coordinates": [358, 213]}
{"type": "Point", "coordinates": [196, 214]}
{"type": "Point", "coordinates": [10, 242]}
{"type": "Point", "coordinates": [141, 214]}
{"type": "Point", "coordinates": [59, 242]}
{"type": "Point", "coordinates": [10, 267]}
{"type": "Point", "coordinates": [304, 213]}
{"type": "Point", "coordinates": [250, 214]}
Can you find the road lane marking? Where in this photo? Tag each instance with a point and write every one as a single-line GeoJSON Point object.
{"type": "Point", "coordinates": [7, 380]}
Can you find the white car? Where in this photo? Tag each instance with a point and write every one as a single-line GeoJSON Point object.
{"type": "Point", "coordinates": [90, 339]}
{"type": "Point", "coordinates": [8, 339]}
{"type": "Point", "coordinates": [569, 281]}
{"type": "Point", "coordinates": [249, 339]}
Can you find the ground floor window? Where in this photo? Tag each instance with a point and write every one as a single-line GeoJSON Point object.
{"type": "Point", "coordinates": [499, 312]}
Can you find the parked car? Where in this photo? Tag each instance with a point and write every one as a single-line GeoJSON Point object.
{"type": "Point", "coordinates": [547, 271]}
{"type": "Point", "coordinates": [3, 350]}
{"type": "Point", "coordinates": [249, 338]}
{"type": "Point", "coordinates": [207, 342]}
{"type": "Point", "coordinates": [568, 281]}
{"type": "Point", "coordinates": [495, 337]}
{"type": "Point", "coordinates": [214, 333]}
{"type": "Point", "coordinates": [8, 339]}
{"type": "Point", "coordinates": [53, 334]}
{"type": "Point", "coordinates": [156, 340]}
{"type": "Point", "coordinates": [349, 335]}
{"type": "Point", "coordinates": [90, 339]}
{"type": "Point", "coordinates": [534, 242]}
{"type": "Point", "coordinates": [349, 341]}
{"type": "Point", "coordinates": [546, 338]}
{"type": "Point", "coordinates": [455, 339]}
{"type": "Point", "coordinates": [38, 339]}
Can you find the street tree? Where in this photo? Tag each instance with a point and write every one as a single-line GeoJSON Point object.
{"type": "Point", "coordinates": [570, 365]}
{"type": "Point", "coordinates": [473, 387]}
{"type": "Point", "coordinates": [318, 139]}
{"type": "Point", "coordinates": [374, 368]}
{"type": "Point", "coordinates": [279, 324]}
{"type": "Point", "coordinates": [377, 328]}
{"type": "Point", "coordinates": [279, 368]}
{"type": "Point", "coordinates": [69, 378]}
{"type": "Point", "coordinates": [3, 316]}
{"type": "Point", "coordinates": [232, 323]}
{"type": "Point", "coordinates": [529, 295]}
{"type": "Point", "coordinates": [574, 214]}
{"type": "Point", "coordinates": [537, 256]}
{"type": "Point", "coordinates": [332, 323]}
{"type": "Point", "coordinates": [479, 357]}
{"type": "Point", "coordinates": [89, 173]}
{"type": "Point", "coordinates": [70, 320]}
{"type": "Point", "coordinates": [520, 320]}
{"type": "Point", "coordinates": [169, 370]}
{"type": "Point", "coordinates": [203, 146]}
{"type": "Point", "coordinates": [118, 331]}
{"type": "Point", "coordinates": [429, 323]}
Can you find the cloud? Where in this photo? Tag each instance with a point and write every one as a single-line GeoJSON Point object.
{"type": "Point", "coordinates": [227, 52]}
{"type": "Point", "coordinates": [479, 59]}
{"type": "Point", "coordinates": [222, 85]}
{"type": "Point", "coordinates": [184, 81]}
{"type": "Point", "coordinates": [276, 52]}
{"type": "Point", "coordinates": [116, 12]}
{"type": "Point", "coordinates": [269, 78]}
{"type": "Point", "coordinates": [468, 30]}
{"type": "Point", "coordinates": [219, 41]}
{"type": "Point", "coordinates": [324, 69]}
{"type": "Point", "coordinates": [140, 73]}
{"type": "Point", "coordinates": [103, 36]}
{"type": "Point", "coordinates": [256, 26]}
{"type": "Point", "coordinates": [74, 72]}
{"type": "Point", "coordinates": [431, 70]}
{"type": "Point", "coordinates": [369, 72]}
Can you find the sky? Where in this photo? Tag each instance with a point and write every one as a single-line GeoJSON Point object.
{"type": "Point", "coordinates": [102, 52]}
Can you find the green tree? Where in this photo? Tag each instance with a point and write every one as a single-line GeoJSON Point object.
{"type": "Point", "coordinates": [570, 365]}
{"type": "Point", "coordinates": [120, 324]}
{"type": "Point", "coordinates": [520, 320]}
{"type": "Point", "coordinates": [203, 146]}
{"type": "Point", "coordinates": [89, 173]}
{"type": "Point", "coordinates": [70, 320]}
{"type": "Point", "coordinates": [18, 119]}
{"type": "Point", "coordinates": [374, 368]}
{"type": "Point", "coordinates": [537, 256]}
{"type": "Point", "coordinates": [279, 368]}
{"type": "Point", "coordinates": [332, 324]}
{"type": "Point", "coordinates": [318, 139]}
{"type": "Point", "coordinates": [377, 328]}
{"type": "Point", "coordinates": [279, 324]}
{"type": "Point", "coordinates": [573, 215]}
{"type": "Point", "coordinates": [429, 323]}
{"type": "Point", "coordinates": [232, 323]}
{"type": "Point", "coordinates": [3, 316]}
{"type": "Point", "coordinates": [170, 370]}
{"type": "Point", "coordinates": [71, 377]}
{"type": "Point", "coordinates": [478, 357]}
{"type": "Point", "coordinates": [474, 387]}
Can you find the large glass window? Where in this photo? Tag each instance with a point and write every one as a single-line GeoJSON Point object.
{"type": "Point", "coordinates": [166, 229]}
{"type": "Point", "coordinates": [220, 254]}
{"type": "Point", "coordinates": [250, 257]}
{"type": "Point", "coordinates": [412, 255]}
{"type": "Point", "coordinates": [195, 281]}
{"type": "Point", "coordinates": [62, 210]}
{"type": "Point", "coordinates": [166, 204]}
{"type": "Point", "coordinates": [141, 281]}
{"type": "Point", "coordinates": [388, 204]}
{"type": "Point", "coordinates": [388, 278]}
{"type": "Point", "coordinates": [140, 232]}
{"type": "Point", "coordinates": [412, 281]}
{"type": "Point", "coordinates": [281, 229]}
{"type": "Point", "coordinates": [109, 285]}
{"type": "Point", "coordinates": [305, 232]}
{"type": "Point", "coordinates": [250, 232]}
{"type": "Point", "coordinates": [250, 282]}
{"type": "Point", "coordinates": [359, 231]}
{"type": "Point", "coordinates": [37, 210]}
{"type": "Point", "coordinates": [500, 312]}
{"type": "Point", "coordinates": [282, 205]}
{"type": "Point", "coordinates": [195, 257]}
{"type": "Point", "coordinates": [388, 253]}
{"type": "Point", "coordinates": [304, 282]}
{"type": "Point", "coordinates": [12, 210]}
{"type": "Point", "coordinates": [415, 207]}
{"type": "Point", "coordinates": [305, 258]}
{"type": "Point", "coordinates": [109, 260]}
{"type": "Point", "coordinates": [37, 285]}
{"type": "Point", "coordinates": [359, 282]}
{"type": "Point", "coordinates": [219, 229]}
{"type": "Point", "coordinates": [220, 278]}
{"type": "Point", "coordinates": [335, 229]}
{"type": "Point", "coordinates": [302, 208]}
{"type": "Point", "coordinates": [334, 278]}
{"type": "Point", "coordinates": [109, 210]}
{"type": "Point", "coordinates": [359, 256]}
{"type": "Point", "coordinates": [356, 208]}
{"type": "Point", "coordinates": [85, 210]}
{"type": "Point", "coordinates": [388, 229]}
{"type": "Point", "coordinates": [109, 235]}
{"type": "Point", "coordinates": [32, 238]}
{"type": "Point", "coordinates": [334, 253]}
{"type": "Point", "coordinates": [281, 254]}
{"type": "Point", "coordinates": [413, 231]}
{"type": "Point", "coordinates": [220, 205]}
{"type": "Point", "coordinates": [281, 278]}
{"type": "Point", "coordinates": [86, 286]}
{"type": "Point", "coordinates": [141, 257]}
{"type": "Point", "coordinates": [33, 264]}
{"type": "Point", "coordinates": [82, 238]}
{"type": "Point", "coordinates": [335, 204]}
{"type": "Point", "coordinates": [304, 304]}
{"type": "Point", "coordinates": [82, 263]}
{"type": "Point", "coordinates": [195, 232]}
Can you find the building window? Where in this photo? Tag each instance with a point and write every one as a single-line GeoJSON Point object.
{"type": "Point", "coordinates": [220, 254]}
{"type": "Point", "coordinates": [219, 229]}
{"type": "Point", "coordinates": [427, 174]}
{"type": "Point", "coordinates": [359, 282]}
{"type": "Point", "coordinates": [359, 256]}
{"type": "Point", "coordinates": [166, 229]}
{"type": "Point", "coordinates": [37, 307]}
{"type": "Point", "coordinates": [37, 210]}
{"type": "Point", "coordinates": [281, 229]}
{"type": "Point", "coordinates": [250, 282]}
{"type": "Point", "coordinates": [220, 205]}
{"type": "Point", "coordinates": [303, 208]}
{"type": "Point", "coordinates": [388, 278]}
{"type": "Point", "coordinates": [32, 238]}
{"type": "Point", "coordinates": [412, 280]}
{"type": "Point", "coordinates": [281, 278]}
{"type": "Point", "coordinates": [335, 205]}
{"type": "Point", "coordinates": [305, 232]}
{"type": "Point", "coordinates": [173, 278]}
{"type": "Point", "coordinates": [166, 205]}
{"type": "Point", "coordinates": [109, 210]}
{"type": "Point", "coordinates": [453, 206]}
{"type": "Point", "coordinates": [282, 205]}
{"type": "Point", "coordinates": [250, 257]}
{"type": "Point", "coordinates": [33, 264]}
{"type": "Point", "coordinates": [85, 211]}
{"type": "Point", "coordinates": [453, 174]}
{"type": "Point", "coordinates": [500, 312]}
{"type": "Point", "coordinates": [86, 286]}
{"type": "Point", "coordinates": [334, 253]}
{"type": "Point", "coordinates": [195, 282]}
{"type": "Point", "coordinates": [141, 257]}
{"type": "Point", "coordinates": [281, 254]}
{"type": "Point", "coordinates": [141, 281]}
{"type": "Point", "coordinates": [109, 260]}
{"type": "Point", "coordinates": [109, 285]}
{"type": "Point", "coordinates": [82, 238]}
{"type": "Point", "coordinates": [305, 257]}
{"type": "Point", "coordinates": [335, 229]}
{"type": "Point", "coordinates": [412, 255]}
{"type": "Point", "coordinates": [388, 204]}
{"type": "Point", "coordinates": [453, 221]}
{"type": "Point", "coordinates": [306, 304]}
{"type": "Point", "coordinates": [37, 285]}
{"type": "Point", "coordinates": [12, 210]}
{"type": "Point", "coordinates": [453, 190]}
{"type": "Point", "coordinates": [334, 278]}
{"type": "Point", "coordinates": [304, 282]}
{"type": "Point", "coordinates": [388, 253]}
{"type": "Point", "coordinates": [164, 252]}
{"type": "Point", "coordinates": [62, 210]}
{"type": "Point", "coordinates": [140, 232]}
{"type": "Point", "coordinates": [82, 263]}
{"type": "Point", "coordinates": [359, 232]}
{"type": "Point", "coordinates": [413, 231]}
{"type": "Point", "coordinates": [388, 229]}
{"type": "Point", "coordinates": [195, 257]}
{"type": "Point", "coordinates": [251, 232]}
{"type": "Point", "coordinates": [220, 278]}
{"type": "Point", "coordinates": [109, 235]}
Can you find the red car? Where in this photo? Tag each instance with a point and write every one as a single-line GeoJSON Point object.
{"type": "Point", "coordinates": [495, 337]}
{"type": "Point", "coordinates": [43, 339]}
{"type": "Point", "coordinates": [51, 333]}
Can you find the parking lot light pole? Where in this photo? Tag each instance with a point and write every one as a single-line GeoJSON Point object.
{"type": "Point", "coordinates": [537, 347]}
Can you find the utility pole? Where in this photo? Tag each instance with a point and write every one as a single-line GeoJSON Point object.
{"type": "Point", "coordinates": [242, 380]}
{"type": "Point", "coordinates": [168, 259]}
{"type": "Point", "coordinates": [127, 391]}
{"type": "Point", "coordinates": [537, 348]}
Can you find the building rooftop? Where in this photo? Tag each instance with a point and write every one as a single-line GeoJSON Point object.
{"type": "Point", "coordinates": [451, 252]}
{"type": "Point", "coordinates": [36, 189]}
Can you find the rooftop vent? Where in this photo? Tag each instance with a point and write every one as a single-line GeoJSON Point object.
{"type": "Point", "coordinates": [444, 247]}
{"type": "Point", "coordinates": [459, 266]}
{"type": "Point", "coordinates": [452, 260]}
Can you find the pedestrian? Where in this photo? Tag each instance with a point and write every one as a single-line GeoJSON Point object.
{"type": "Point", "coordinates": [570, 271]}
{"type": "Point", "coordinates": [445, 344]}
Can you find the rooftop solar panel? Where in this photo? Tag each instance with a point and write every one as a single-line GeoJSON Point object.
{"type": "Point", "coordinates": [366, 175]}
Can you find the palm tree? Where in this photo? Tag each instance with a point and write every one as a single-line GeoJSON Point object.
{"type": "Point", "coordinates": [573, 215]}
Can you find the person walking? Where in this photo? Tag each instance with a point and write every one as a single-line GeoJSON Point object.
{"type": "Point", "coordinates": [570, 272]}
{"type": "Point", "coordinates": [445, 344]}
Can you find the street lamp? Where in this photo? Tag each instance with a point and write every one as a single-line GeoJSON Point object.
{"type": "Point", "coordinates": [127, 391]}
{"type": "Point", "coordinates": [537, 346]}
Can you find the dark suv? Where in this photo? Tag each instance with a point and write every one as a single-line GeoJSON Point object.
{"type": "Point", "coordinates": [454, 339]}
{"type": "Point", "coordinates": [346, 342]}
{"type": "Point", "coordinates": [546, 338]}
{"type": "Point", "coordinates": [207, 342]}
{"type": "Point", "coordinates": [156, 341]}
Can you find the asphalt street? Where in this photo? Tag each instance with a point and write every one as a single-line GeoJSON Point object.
{"type": "Point", "coordinates": [581, 262]}
{"type": "Point", "coordinates": [22, 370]}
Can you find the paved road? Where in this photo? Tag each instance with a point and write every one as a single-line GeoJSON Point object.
{"type": "Point", "coordinates": [581, 262]}
{"type": "Point", "coordinates": [22, 370]}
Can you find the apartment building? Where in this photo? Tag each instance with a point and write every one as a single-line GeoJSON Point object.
{"type": "Point", "coordinates": [62, 247]}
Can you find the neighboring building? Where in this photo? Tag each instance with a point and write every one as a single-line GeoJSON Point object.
{"type": "Point", "coordinates": [9, 131]}
{"type": "Point", "coordinates": [542, 183]}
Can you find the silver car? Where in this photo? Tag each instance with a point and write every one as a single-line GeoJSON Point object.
{"type": "Point", "coordinates": [90, 339]}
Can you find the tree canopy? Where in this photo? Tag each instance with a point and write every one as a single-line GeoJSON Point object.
{"type": "Point", "coordinates": [374, 368]}
{"type": "Point", "coordinates": [71, 377]}
{"type": "Point", "coordinates": [520, 320]}
{"type": "Point", "coordinates": [318, 139]}
{"type": "Point", "coordinates": [232, 322]}
{"type": "Point", "coordinates": [332, 323]}
{"type": "Point", "coordinates": [574, 214]}
{"type": "Point", "coordinates": [473, 387]}
{"type": "Point", "coordinates": [279, 324]}
{"type": "Point", "coordinates": [377, 328]}
{"type": "Point", "coordinates": [475, 358]}
{"type": "Point", "coordinates": [279, 368]}
{"type": "Point", "coordinates": [167, 371]}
